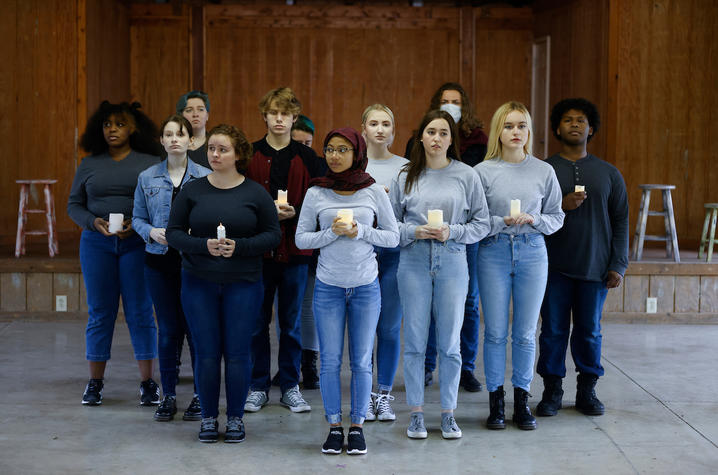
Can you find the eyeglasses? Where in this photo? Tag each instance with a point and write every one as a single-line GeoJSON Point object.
{"type": "Point", "coordinates": [340, 150]}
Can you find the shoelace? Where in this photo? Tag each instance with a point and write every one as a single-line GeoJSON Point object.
{"type": "Point", "coordinates": [234, 424]}
{"type": "Point", "coordinates": [295, 398]}
{"type": "Point", "coordinates": [208, 423]}
{"type": "Point", "coordinates": [382, 402]}
{"type": "Point", "coordinates": [255, 397]}
{"type": "Point", "coordinates": [452, 425]}
{"type": "Point", "coordinates": [417, 421]}
{"type": "Point", "coordinates": [167, 402]}
{"type": "Point", "coordinates": [94, 386]}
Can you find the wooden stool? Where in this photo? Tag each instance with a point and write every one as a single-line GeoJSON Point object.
{"type": "Point", "coordinates": [671, 237]}
{"type": "Point", "coordinates": [708, 240]}
{"type": "Point", "coordinates": [49, 211]}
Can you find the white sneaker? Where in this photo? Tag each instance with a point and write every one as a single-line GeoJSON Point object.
{"type": "Point", "coordinates": [371, 410]}
{"type": "Point", "coordinates": [293, 399]}
{"type": "Point", "coordinates": [255, 401]}
{"type": "Point", "coordinates": [384, 412]}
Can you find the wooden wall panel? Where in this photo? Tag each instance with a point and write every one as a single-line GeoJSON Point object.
{"type": "Point", "coordinates": [160, 61]}
{"type": "Point", "coordinates": [667, 70]}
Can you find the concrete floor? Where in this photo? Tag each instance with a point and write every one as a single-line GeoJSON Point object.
{"type": "Point", "coordinates": [659, 389]}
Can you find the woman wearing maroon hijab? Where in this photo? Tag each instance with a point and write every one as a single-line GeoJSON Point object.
{"type": "Point", "coordinates": [338, 216]}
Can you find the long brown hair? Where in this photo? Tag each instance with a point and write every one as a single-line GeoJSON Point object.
{"type": "Point", "coordinates": [468, 121]}
{"type": "Point", "coordinates": [417, 157]}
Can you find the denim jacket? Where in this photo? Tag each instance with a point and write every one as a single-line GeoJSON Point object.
{"type": "Point", "coordinates": [153, 197]}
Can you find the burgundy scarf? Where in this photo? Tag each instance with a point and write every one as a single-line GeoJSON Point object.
{"type": "Point", "coordinates": [355, 177]}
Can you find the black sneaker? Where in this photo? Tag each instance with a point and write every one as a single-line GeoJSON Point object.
{"type": "Point", "coordinates": [93, 393]}
{"type": "Point", "coordinates": [355, 441]}
{"type": "Point", "coordinates": [194, 411]}
{"type": "Point", "coordinates": [208, 431]}
{"type": "Point", "coordinates": [235, 430]}
{"type": "Point", "coordinates": [335, 441]}
{"type": "Point", "coordinates": [167, 409]}
{"type": "Point", "coordinates": [469, 382]}
{"type": "Point", "coordinates": [149, 393]}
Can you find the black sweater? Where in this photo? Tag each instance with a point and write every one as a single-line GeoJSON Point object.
{"type": "Point", "coordinates": [594, 236]}
{"type": "Point", "coordinates": [249, 217]}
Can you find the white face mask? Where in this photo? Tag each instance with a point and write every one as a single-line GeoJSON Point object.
{"type": "Point", "coordinates": [453, 110]}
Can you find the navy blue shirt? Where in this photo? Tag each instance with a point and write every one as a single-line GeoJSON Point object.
{"type": "Point", "coordinates": [594, 236]}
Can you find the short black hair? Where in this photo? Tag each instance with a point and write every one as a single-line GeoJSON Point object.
{"type": "Point", "coordinates": [579, 104]}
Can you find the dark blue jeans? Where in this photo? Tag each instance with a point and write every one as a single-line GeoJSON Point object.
{"type": "Point", "coordinates": [112, 267]}
{"type": "Point", "coordinates": [165, 290]}
{"type": "Point", "coordinates": [288, 281]}
{"type": "Point", "coordinates": [222, 319]}
{"type": "Point", "coordinates": [566, 296]}
{"type": "Point", "coordinates": [470, 327]}
{"type": "Point", "coordinates": [388, 330]}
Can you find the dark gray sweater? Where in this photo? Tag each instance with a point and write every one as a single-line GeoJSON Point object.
{"type": "Point", "coordinates": [103, 186]}
{"type": "Point", "coordinates": [594, 236]}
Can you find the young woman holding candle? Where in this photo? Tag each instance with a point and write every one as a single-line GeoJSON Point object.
{"type": "Point", "coordinates": [378, 129]}
{"type": "Point", "coordinates": [524, 199]}
{"type": "Point", "coordinates": [121, 140]}
{"type": "Point", "coordinates": [433, 273]}
{"type": "Point", "coordinates": [194, 106]}
{"type": "Point", "coordinates": [233, 222]}
{"type": "Point", "coordinates": [157, 188]}
{"type": "Point", "coordinates": [345, 204]}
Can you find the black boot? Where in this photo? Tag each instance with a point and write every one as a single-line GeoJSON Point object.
{"type": "Point", "coordinates": [310, 378]}
{"type": "Point", "coordinates": [496, 409]}
{"type": "Point", "coordinates": [586, 400]}
{"type": "Point", "coordinates": [522, 414]}
{"type": "Point", "coordinates": [551, 398]}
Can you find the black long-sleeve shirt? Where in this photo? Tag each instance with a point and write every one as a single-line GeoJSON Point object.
{"type": "Point", "coordinates": [250, 219]}
{"type": "Point", "coordinates": [594, 236]}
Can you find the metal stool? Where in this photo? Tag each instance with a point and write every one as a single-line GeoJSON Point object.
{"type": "Point", "coordinates": [707, 240]}
{"type": "Point", "coordinates": [49, 211]}
{"type": "Point", "coordinates": [671, 237]}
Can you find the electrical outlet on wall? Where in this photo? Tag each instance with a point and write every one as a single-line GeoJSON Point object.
{"type": "Point", "coordinates": [61, 303]}
{"type": "Point", "coordinates": [651, 305]}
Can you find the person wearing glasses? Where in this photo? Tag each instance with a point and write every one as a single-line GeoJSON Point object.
{"type": "Point", "coordinates": [433, 274]}
{"type": "Point", "coordinates": [194, 106]}
{"type": "Point", "coordinates": [280, 163]}
{"type": "Point", "coordinates": [346, 204]}
{"type": "Point", "coordinates": [524, 199]}
{"type": "Point", "coordinates": [378, 130]}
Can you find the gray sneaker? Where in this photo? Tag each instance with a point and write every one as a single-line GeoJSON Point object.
{"type": "Point", "coordinates": [417, 429]}
{"type": "Point", "coordinates": [293, 399]}
{"type": "Point", "coordinates": [384, 412]}
{"type": "Point", "coordinates": [255, 401]}
{"type": "Point", "coordinates": [449, 428]}
{"type": "Point", "coordinates": [371, 410]}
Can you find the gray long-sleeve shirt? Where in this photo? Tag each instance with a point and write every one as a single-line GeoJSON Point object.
{"type": "Point", "coordinates": [594, 237]}
{"type": "Point", "coordinates": [383, 171]}
{"type": "Point", "coordinates": [454, 189]}
{"type": "Point", "coordinates": [345, 262]}
{"type": "Point", "coordinates": [533, 182]}
{"type": "Point", "coordinates": [103, 186]}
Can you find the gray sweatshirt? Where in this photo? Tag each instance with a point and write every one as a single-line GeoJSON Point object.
{"type": "Point", "coordinates": [384, 171]}
{"type": "Point", "coordinates": [345, 262]}
{"type": "Point", "coordinates": [533, 182]}
{"type": "Point", "coordinates": [455, 190]}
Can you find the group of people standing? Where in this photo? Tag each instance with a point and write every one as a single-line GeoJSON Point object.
{"type": "Point", "coordinates": [224, 234]}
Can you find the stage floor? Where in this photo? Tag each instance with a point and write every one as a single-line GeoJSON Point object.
{"type": "Point", "coordinates": [659, 389]}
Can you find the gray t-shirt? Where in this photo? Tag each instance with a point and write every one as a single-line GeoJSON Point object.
{"type": "Point", "coordinates": [533, 182]}
{"type": "Point", "coordinates": [384, 171]}
{"type": "Point", "coordinates": [454, 189]}
{"type": "Point", "coordinates": [103, 186]}
{"type": "Point", "coordinates": [345, 262]}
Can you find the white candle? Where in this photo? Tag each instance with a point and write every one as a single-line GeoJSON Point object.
{"type": "Point", "coordinates": [346, 216]}
{"type": "Point", "coordinates": [221, 232]}
{"type": "Point", "coordinates": [116, 222]}
{"type": "Point", "coordinates": [580, 188]}
{"type": "Point", "coordinates": [282, 197]}
{"type": "Point", "coordinates": [435, 218]}
{"type": "Point", "coordinates": [515, 208]}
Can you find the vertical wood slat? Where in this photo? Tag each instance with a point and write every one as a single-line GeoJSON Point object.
{"type": "Point", "coordinates": [688, 293]}
{"type": "Point", "coordinates": [39, 292]}
{"type": "Point", "coordinates": [635, 293]}
{"type": "Point", "coordinates": [663, 288]}
{"type": "Point", "coordinates": [709, 294]}
{"type": "Point", "coordinates": [13, 289]}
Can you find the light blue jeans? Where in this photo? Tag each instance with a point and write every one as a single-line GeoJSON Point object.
{"type": "Point", "coordinates": [511, 267]}
{"type": "Point", "coordinates": [433, 276]}
{"type": "Point", "coordinates": [357, 309]}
